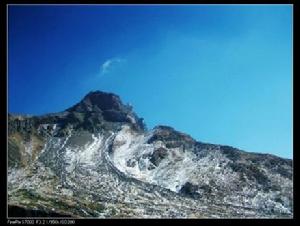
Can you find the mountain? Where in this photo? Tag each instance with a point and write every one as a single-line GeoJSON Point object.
{"type": "Point", "coordinates": [98, 159]}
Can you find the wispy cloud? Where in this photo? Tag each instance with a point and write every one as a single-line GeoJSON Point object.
{"type": "Point", "coordinates": [107, 66]}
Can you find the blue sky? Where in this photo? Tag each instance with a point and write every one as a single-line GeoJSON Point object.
{"type": "Point", "coordinates": [221, 73]}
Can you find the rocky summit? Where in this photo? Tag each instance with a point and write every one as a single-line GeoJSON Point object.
{"type": "Point", "coordinates": [97, 159]}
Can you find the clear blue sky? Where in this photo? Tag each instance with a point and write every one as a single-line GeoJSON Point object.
{"type": "Point", "coordinates": [221, 73]}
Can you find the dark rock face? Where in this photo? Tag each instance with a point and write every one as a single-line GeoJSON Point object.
{"type": "Point", "coordinates": [14, 154]}
{"type": "Point", "coordinates": [99, 110]}
{"type": "Point", "coordinates": [131, 163]}
{"type": "Point", "coordinates": [115, 116]}
{"type": "Point", "coordinates": [158, 155]}
{"type": "Point", "coordinates": [250, 171]}
{"type": "Point", "coordinates": [230, 152]}
{"type": "Point", "coordinates": [104, 101]}
{"type": "Point", "coordinates": [171, 138]}
{"type": "Point", "coordinates": [195, 191]}
{"type": "Point", "coordinates": [98, 101]}
{"type": "Point", "coordinates": [190, 190]}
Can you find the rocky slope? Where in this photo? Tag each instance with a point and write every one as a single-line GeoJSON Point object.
{"type": "Point", "coordinates": [97, 159]}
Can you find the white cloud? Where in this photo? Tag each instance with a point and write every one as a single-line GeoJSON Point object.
{"type": "Point", "coordinates": [109, 64]}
